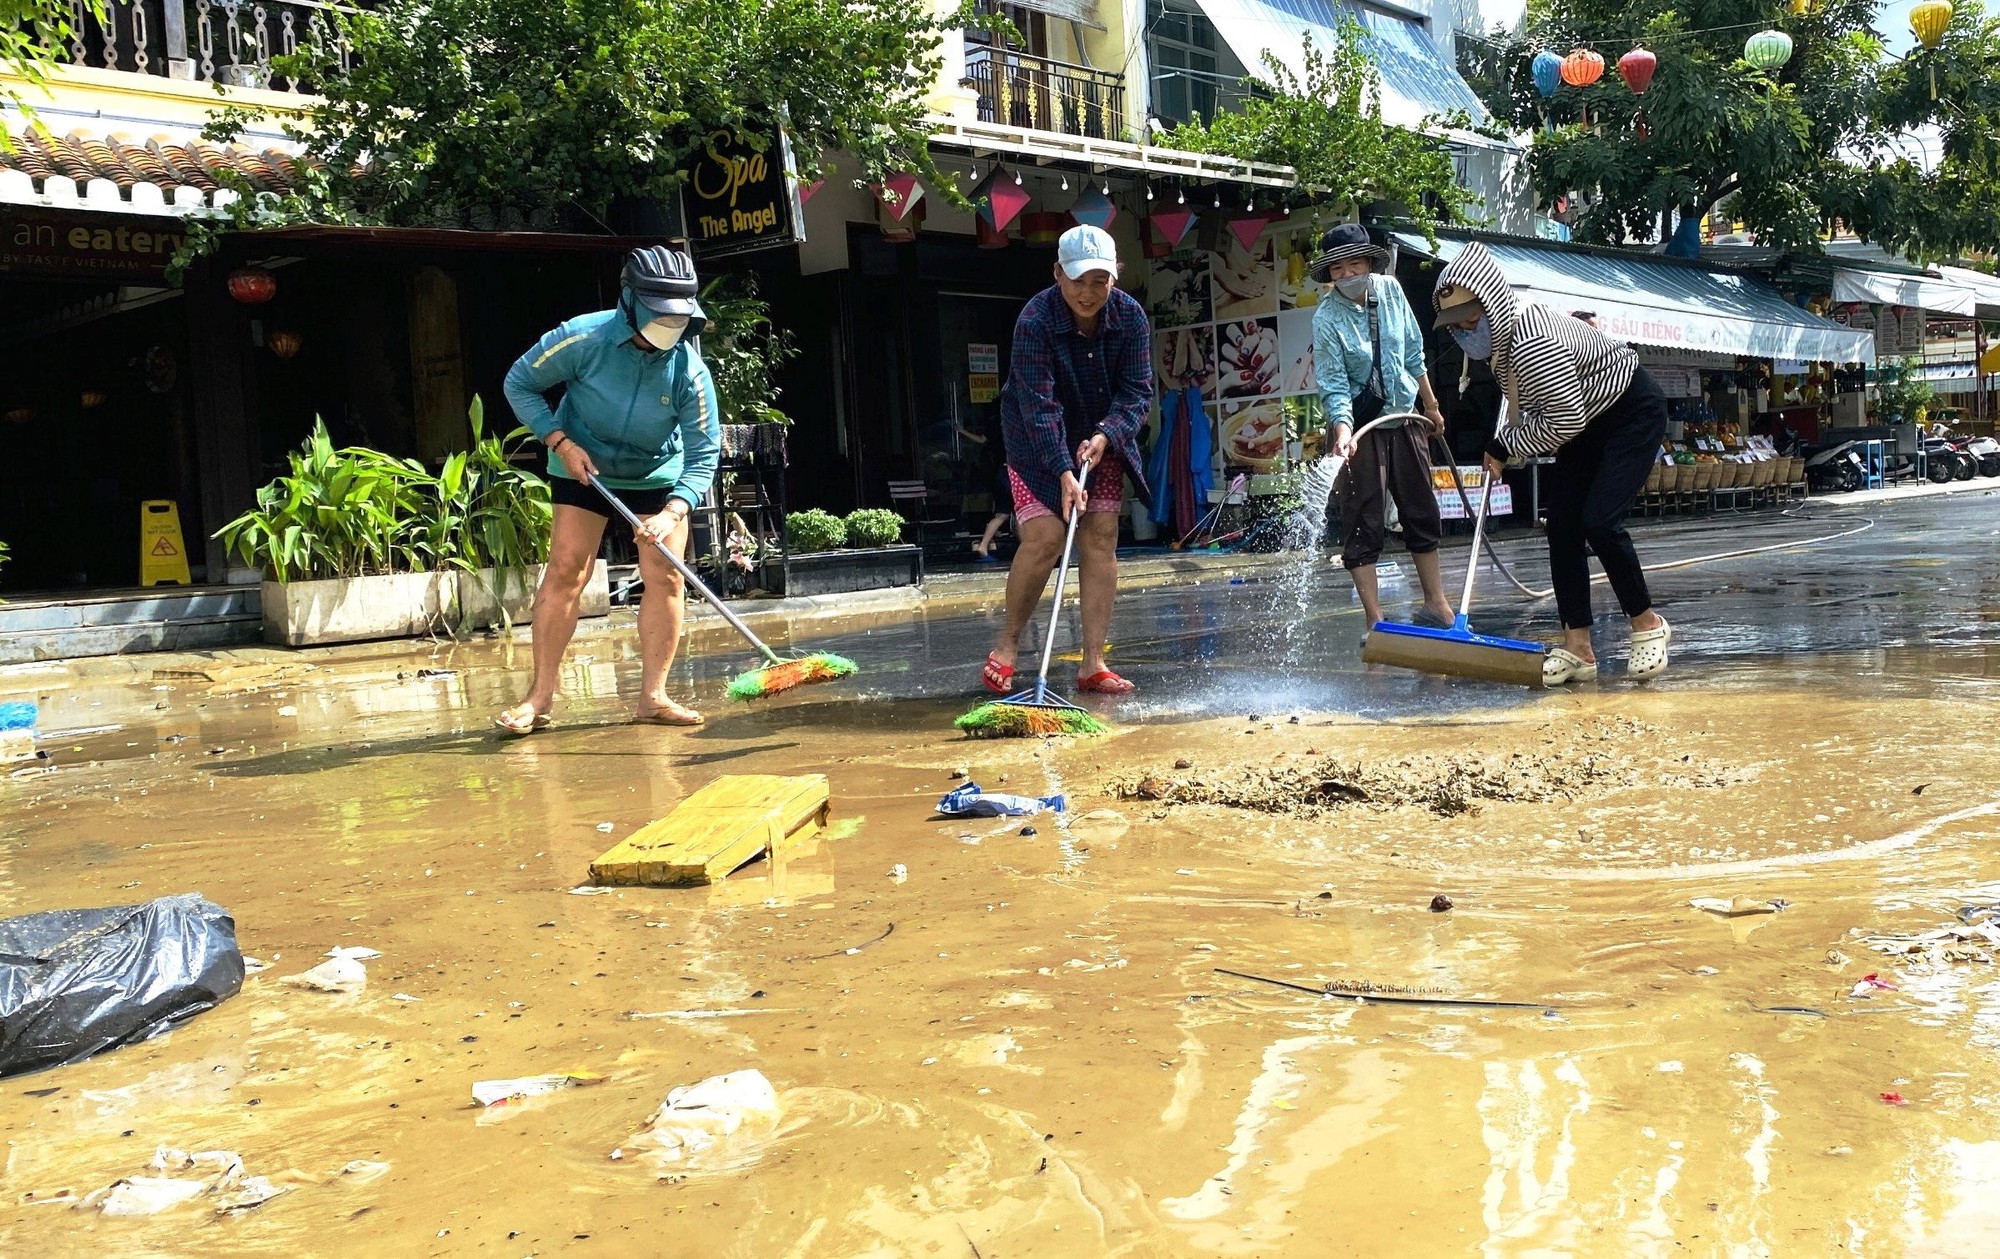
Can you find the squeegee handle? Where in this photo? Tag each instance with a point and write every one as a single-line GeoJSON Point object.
{"type": "Point", "coordinates": [687, 574]}
{"type": "Point", "coordinates": [1478, 530]}
{"type": "Point", "coordinates": [1062, 571]}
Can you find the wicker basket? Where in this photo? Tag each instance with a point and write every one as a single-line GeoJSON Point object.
{"type": "Point", "coordinates": [1704, 477]}
{"type": "Point", "coordinates": [1654, 478]}
{"type": "Point", "coordinates": [1795, 470]}
{"type": "Point", "coordinates": [1684, 478]}
{"type": "Point", "coordinates": [1761, 473]}
{"type": "Point", "coordinates": [1730, 475]}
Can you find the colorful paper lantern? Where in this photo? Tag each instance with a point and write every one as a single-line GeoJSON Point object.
{"type": "Point", "coordinates": [999, 201]}
{"type": "Point", "coordinates": [1248, 227]}
{"type": "Point", "coordinates": [92, 399]}
{"type": "Point", "coordinates": [988, 236]}
{"type": "Point", "coordinates": [1094, 209]}
{"type": "Point", "coordinates": [283, 343]}
{"type": "Point", "coordinates": [1582, 67]}
{"type": "Point", "coordinates": [1172, 225]}
{"type": "Point", "coordinates": [253, 286]}
{"type": "Point", "coordinates": [899, 229]}
{"type": "Point", "coordinates": [1043, 227]}
{"type": "Point", "coordinates": [1768, 50]}
{"type": "Point", "coordinates": [1547, 69]}
{"type": "Point", "coordinates": [1636, 68]}
{"type": "Point", "coordinates": [1928, 21]}
{"type": "Point", "coordinates": [900, 194]}
{"type": "Point", "coordinates": [808, 191]}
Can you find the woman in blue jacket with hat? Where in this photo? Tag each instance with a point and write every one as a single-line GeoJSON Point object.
{"type": "Point", "coordinates": [638, 411]}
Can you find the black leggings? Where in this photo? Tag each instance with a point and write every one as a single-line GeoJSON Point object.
{"type": "Point", "coordinates": [1590, 488]}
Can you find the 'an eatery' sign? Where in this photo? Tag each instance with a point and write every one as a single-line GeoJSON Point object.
{"type": "Point", "coordinates": [740, 198]}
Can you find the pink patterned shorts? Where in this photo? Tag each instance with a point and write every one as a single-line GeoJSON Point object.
{"type": "Point", "coordinates": [1106, 491]}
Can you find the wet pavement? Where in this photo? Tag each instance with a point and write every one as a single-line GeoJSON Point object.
{"type": "Point", "coordinates": [1042, 1058]}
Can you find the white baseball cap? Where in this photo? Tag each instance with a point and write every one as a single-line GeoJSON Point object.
{"type": "Point", "coordinates": [1087, 248]}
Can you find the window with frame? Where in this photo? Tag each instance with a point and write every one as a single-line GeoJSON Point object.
{"type": "Point", "coordinates": [1181, 47]}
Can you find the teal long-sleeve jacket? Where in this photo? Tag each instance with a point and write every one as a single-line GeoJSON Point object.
{"type": "Point", "coordinates": [1343, 356]}
{"type": "Point", "coordinates": [647, 418]}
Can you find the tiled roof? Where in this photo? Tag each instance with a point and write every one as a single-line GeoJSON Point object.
{"type": "Point", "coordinates": [177, 172]}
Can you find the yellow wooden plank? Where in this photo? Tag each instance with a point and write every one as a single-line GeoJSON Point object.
{"type": "Point", "coordinates": [717, 830]}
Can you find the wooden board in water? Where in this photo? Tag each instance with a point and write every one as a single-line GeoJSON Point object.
{"type": "Point", "coordinates": [716, 830]}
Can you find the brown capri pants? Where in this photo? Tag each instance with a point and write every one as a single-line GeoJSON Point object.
{"type": "Point", "coordinates": [1389, 462]}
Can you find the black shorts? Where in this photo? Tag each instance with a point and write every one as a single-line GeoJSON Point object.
{"type": "Point", "coordinates": [564, 492]}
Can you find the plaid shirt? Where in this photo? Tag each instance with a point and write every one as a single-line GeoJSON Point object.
{"type": "Point", "coordinates": [1063, 387]}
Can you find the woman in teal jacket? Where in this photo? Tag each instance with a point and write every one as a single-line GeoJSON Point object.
{"type": "Point", "coordinates": [638, 410]}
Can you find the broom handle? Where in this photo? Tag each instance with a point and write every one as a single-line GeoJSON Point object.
{"type": "Point", "coordinates": [1478, 530]}
{"type": "Point", "coordinates": [687, 574]}
{"type": "Point", "coordinates": [1055, 610]}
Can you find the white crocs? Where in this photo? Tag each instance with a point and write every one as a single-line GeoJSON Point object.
{"type": "Point", "coordinates": [1562, 665]}
{"type": "Point", "coordinates": [1649, 652]}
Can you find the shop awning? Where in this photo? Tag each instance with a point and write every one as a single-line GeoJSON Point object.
{"type": "Point", "coordinates": [1891, 288]}
{"type": "Point", "coordinates": [1417, 79]}
{"type": "Point", "coordinates": [1650, 300]}
{"type": "Point", "coordinates": [1985, 288]}
{"type": "Point", "coordinates": [1084, 11]}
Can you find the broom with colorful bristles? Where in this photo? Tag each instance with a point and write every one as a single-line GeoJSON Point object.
{"type": "Point", "coordinates": [1038, 710]}
{"type": "Point", "coordinates": [778, 674]}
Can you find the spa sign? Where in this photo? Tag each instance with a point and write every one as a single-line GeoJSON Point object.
{"type": "Point", "coordinates": [740, 198]}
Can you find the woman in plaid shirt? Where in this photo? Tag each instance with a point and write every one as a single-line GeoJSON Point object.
{"type": "Point", "coordinates": [1079, 384]}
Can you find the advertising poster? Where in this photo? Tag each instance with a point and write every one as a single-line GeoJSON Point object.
{"type": "Point", "coordinates": [1294, 248]}
{"type": "Point", "coordinates": [1253, 434]}
{"type": "Point", "coordinates": [1248, 358]}
{"type": "Point", "coordinates": [1243, 282]}
{"type": "Point", "coordinates": [1184, 357]}
{"type": "Point", "coordinates": [1177, 291]}
{"type": "Point", "coordinates": [1295, 351]}
{"type": "Point", "coordinates": [1473, 477]}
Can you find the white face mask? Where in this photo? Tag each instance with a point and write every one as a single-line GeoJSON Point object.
{"type": "Point", "coordinates": [1353, 287]}
{"type": "Point", "coordinates": [665, 333]}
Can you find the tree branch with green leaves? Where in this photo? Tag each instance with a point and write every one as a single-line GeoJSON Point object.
{"type": "Point", "coordinates": [32, 33]}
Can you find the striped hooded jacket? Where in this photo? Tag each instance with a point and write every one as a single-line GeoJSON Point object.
{"type": "Point", "coordinates": [1560, 373]}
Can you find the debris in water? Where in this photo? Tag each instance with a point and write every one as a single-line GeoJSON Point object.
{"type": "Point", "coordinates": [493, 1092]}
{"type": "Point", "coordinates": [1029, 831]}
{"type": "Point", "coordinates": [886, 933]}
{"type": "Point", "coordinates": [900, 872]}
{"type": "Point", "coordinates": [589, 890]}
{"type": "Point", "coordinates": [604, 828]}
{"type": "Point", "coordinates": [1918, 789]}
{"type": "Point", "coordinates": [1956, 942]}
{"type": "Point", "coordinates": [1870, 985]}
{"type": "Point", "coordinates": [1895, 1099]}
{"type": "Point", "coordinates": [1737, 906]}
{"type": "Point", "coordinates": [972, 801]}
{"type": "Point", "coordinates": [343, 972]}
{"type": "Point", "coordinates": [1440, 904]}
{"type": "Point", "coordinates": [694, 1118]}
{"type": "Point", "coordinates": [1184, 763]}
{"type": "Point", "coordinates": [1375, 993]}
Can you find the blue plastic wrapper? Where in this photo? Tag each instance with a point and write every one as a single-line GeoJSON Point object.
{"type": "Point", "coordinates": [76, 982]}
{"type": "Point", "coordinates": [970, 801]}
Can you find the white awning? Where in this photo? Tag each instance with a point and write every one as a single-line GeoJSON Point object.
{"type": "Point", "coordinates": [1084, 11]}
{"type": "Point", "coordinates": [1985, 288]}
{"type": "Point", "coordinates": [1894, 289]}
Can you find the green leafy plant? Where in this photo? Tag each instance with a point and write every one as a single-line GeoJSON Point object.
{"type": "Point", "coordinates": [336, 513]}
{"type": "Point", "coordinates": [1327, 125]}
{"type": "Point", "coordinates": [815, 530]}
{"type": "Point", "coordinates": [3, 555]}
{"type": "Point", "coordinates": [874, 526]}
{"type": "Point", "coordinates": [1904, 395]}
{"type": "Point", "coordinates": [32, 33]}
{"type": "Point", "coordinates": [744, 350]}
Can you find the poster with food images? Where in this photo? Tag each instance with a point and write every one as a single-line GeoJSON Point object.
{"type": "Point", "coordinates": [1294, 248]}
{"type": "Point", "coordinates": [1253, 434]}
{"type": "Point", "coordinates": [1247, 358]}
{"type": "Point", "coordinates": [1295, 351]}
{"type": "Point", "coordinates": [1177, 290]}
{"type": "Point", "coordinates": [1184, 357]}
{"type": "Point", "coordinates": [1243, 281]}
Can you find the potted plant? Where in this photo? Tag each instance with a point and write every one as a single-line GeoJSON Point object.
{"type": "Point", "coordinates": [828, 555]}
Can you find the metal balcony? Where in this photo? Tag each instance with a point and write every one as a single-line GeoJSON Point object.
{"type": "Point", "coordinates": [230, 42]}
{"type": "Point", "coordinates": [1017, 89]}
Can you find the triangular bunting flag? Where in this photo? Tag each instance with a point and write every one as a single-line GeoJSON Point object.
{"type": "Point", "coordinates": [807, 191]}
{"type": "Point", "coordinates": [900, 193]}
{"type": "Point", "coordinates": [1000, 200]}
{"type": "Point", "coordinates": [1094, 209]}
{"type": "Point", "coordinates": [1248, 228]}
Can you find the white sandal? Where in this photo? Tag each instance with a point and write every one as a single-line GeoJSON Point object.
{"type": "Point", "coordinates": [1561, 666]}
{"type": "Point", "coordinates": [1649, 652]}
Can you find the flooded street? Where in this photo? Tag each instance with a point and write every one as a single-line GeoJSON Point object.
{"type": "Point", "coordinates": [989, 1042]}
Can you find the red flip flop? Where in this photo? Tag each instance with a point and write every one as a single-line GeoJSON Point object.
{"type": "Point", "coordinates": [998, 675]}
{"type": "Point", "coordinates": [1105, 682]}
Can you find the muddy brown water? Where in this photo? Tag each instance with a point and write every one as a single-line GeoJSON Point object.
{"type": "Point", "coordinates": [1040, 1058]}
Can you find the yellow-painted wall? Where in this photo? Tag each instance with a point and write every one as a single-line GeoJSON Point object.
{"type": "Point", "coordinates": [119, 96]}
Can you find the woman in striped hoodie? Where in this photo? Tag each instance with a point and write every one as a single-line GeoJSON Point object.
{"type": "Point", "coordinates": [1584, 398]}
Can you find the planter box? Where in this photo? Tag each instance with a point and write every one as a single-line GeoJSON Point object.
{"type": "Point", "coordinates": [482, 595]}
{"type": "Point", "coordinates": [406, 605]}
{"type": "Point", "coordinates": [843, 572]}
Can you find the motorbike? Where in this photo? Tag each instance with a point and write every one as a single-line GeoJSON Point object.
{"type": "Point", "coordinates": [1835, 469]}
{"type": "Point", "coordinates": [1946, 457]}
{"type": "Point", "coordinates": [1985, 453]}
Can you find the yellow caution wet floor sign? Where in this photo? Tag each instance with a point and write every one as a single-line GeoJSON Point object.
{"type": "Point", "coordinates": [162, 554]}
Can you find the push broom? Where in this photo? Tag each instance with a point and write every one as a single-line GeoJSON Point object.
{"type": "Point", "coordinates": [1458, 652]}
{"type": "Point", "coordinates": [1038, 710]}
{"type": "Point", "coordinates": [777, 674]}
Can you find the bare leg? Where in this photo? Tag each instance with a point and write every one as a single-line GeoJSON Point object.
{"type": "Point", "coordinates": [1097, 548]}
{"type": "Point", "coordinates": [1365, 586]}
{"type": "Point", "coordinates": [660, 615]}
{"type": "Point", "coordinates": [1432, 580]}
{"type": "Point", "coordinates": [573, 541]}
{"type": "Point", "coordinates": [1577, 643]}
{"type": "Point", "coordinates": [985, 546]}
{"type": "Point", "coordinates": [1041, 546]}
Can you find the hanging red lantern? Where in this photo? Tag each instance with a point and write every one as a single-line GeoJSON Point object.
{"type": "Point", "coordinates": [989, 236]}
{"type": "Point", "coordinates": [284, 343]}
{"type": "Point", "coordinates": [900, 230]}
{"type": "Point", "coordinates": [1582, 68]}
{"type": "Point", "coordinates": [92, 399]}
{"type": "Point", "coordinates": [253, 286]}
{"type": "Point", "coordinates": [1637, 67]}
{"type": "Point", "coordinates": [1043, 227]}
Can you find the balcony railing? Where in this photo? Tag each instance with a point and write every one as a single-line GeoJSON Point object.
{"type": "Point", "coordinates": [230, 42]}
{"type": "Point", "coordinates": [1016, 89]}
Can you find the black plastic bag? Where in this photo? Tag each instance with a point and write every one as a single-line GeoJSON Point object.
{"type": "Point", "coordinates": [76, 982]}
